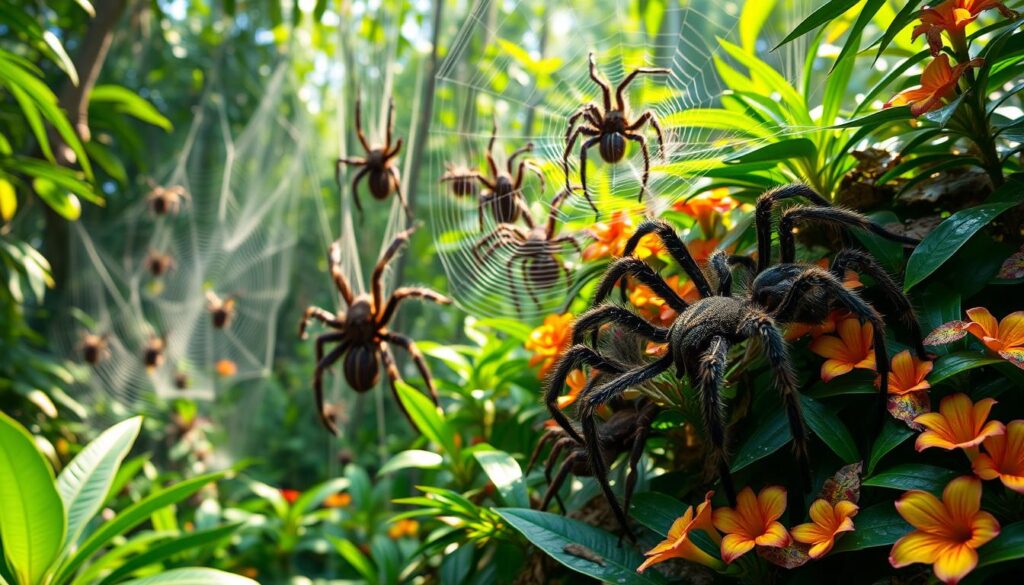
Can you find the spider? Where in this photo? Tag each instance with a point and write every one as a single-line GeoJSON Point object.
{"type": "Point", "coordinates": [626, 431]}
{"type": "Point", "coordinates": [153, 353]}
{"type": "Point", "coordinates": [361, 332]}
{"type": "Point", "coordinates": [95, 348]}
{"type": "Point", "coordinates": [609, 128]}
{"type": "Point", "coordinates": [535, 246]}
{"type": "Point", "coordinates": [166, 200]}
{"type": "Point", "coordinates": [463, 179]}
{"type": "Point", "coordinates": [222, 311]}
{"type": "Point", "coordinates": [378, 163]}
{"type": "Point", "coordinates": [503, 192]}
{"type": "Point", "coordinates": [159, 263]}
{"type": "Point", "coordinates": [181, 381]}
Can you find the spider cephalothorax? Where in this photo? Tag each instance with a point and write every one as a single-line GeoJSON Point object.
{"type": "Point", "coordinates": [610, 126]}
{"type": "Point", "coordinates": [166, 200]}
{"type": "Point", "coordinates": [158, 263]}
{"type": "Point", "coordinates": [535, 248]}
{"type": "Point", "coordinates": [222, 311]}
{"type": "Point", "coordinates": [461, 178]}
{"type": "Point", "coordinates": [94, 348]}
{"type": "Point", "coordinates": [378, 162]}
{"type": "Point", "coordinates": [361, 332]}
{"type": "Point", "coordinates": [625, 431]}
{"type": "Point", "coordinates": [153, 353]}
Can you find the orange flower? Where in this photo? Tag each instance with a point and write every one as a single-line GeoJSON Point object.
{"type": "Point", "coordinates": [1004, 457]}
{"type": "Point", "coordinates": [549, 340]}
{"type": "Point", "coordinates": [938, 81]}
{"type": "Point", "coordinates": [1003, 337]}
{"type": "Point", "coordinates": [707, 209]}
{"type": "Point", "coordinates": [576, 381]}
{"type": "Point", "coordinates": [403, 527]}
{"type": "Point", "coordinates": [959, 423]}
{"type": "Point", "coordinates": [851, 280]}
{"type": "Point", "coordinates": [948, 531]}
{"type": "Point", "coordinates": [678, 544]}
{"type": "Point", "coordinates": [341, 500]}
{"type": "Point", "coordinates": [701, 250]}
{"type": "Point", "coordinates": [953, 16]}
{"type": "Point", "coordinates": [653, 307]}
{"type": "Point", "coordinates": [753, 522]}
{"type": "Point", "coordinates": [795, 331]}
{"type": "Point", "coordinates": [852, 349]}
{"type": "Point", "coordinates": [828, 522]}
{"type": "Point", "coordinates": [907, 373]}
{"type": "Point", "coordinates": [611, 237]}
{"type": "Point", "coordinates": [225, 368]}
{"type": "Point", "coordinates": [290, 495]}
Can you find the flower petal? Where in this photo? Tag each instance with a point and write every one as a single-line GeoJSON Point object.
{"type": "Point", "coordinates": [772, 501]}
{"type": "Point", "coordinates": [775, 535]}
{"type": "Point", "coordinates": [984, 323]}
{"type": "Point", "coordinates": [832, 368]}
{"type": "Point", "coordinates": [809, 533]}
{"type": "Point", "coordinates": [727, 520]}
{"type": "Point", "coordinates": [962, 499]}
{"type": "Point", "coordinates": [734, 546]}
{"type": "Point", "coordinates": [822, 514]}
{"type": "Point", "coordinates": [929, 439]}
{"type": "Point", "coordinates": [955, 563]}
{"type": "Point", "coordinates": [917, 547]}
{"type": "Point", "coordinates": [923, 510]}
{"type": "Point", "coordinates": [984, 527]}
{"type": "Point", "coordinates": [1011, 329]}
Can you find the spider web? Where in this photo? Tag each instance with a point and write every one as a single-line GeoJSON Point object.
{"type": "Point", "coordinates": [513, 84]}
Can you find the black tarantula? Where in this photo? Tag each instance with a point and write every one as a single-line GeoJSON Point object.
{"type": "Point", "coordinates": [361, 331]}
{"type": "Point", "coordinates": [609, 128]}
{"type": "Point", "coordinates": [700, 337]}
{"type": "Point", "coordinates": [378, 164]}
{"type": "Point", "coordinates": [504, 187]}
{"type": "Point", "coordinates": [535, 247]}
{"type": "Point", "coordinates": [166, 200]}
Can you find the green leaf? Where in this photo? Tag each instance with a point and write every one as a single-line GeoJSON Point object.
{"type": "Point", "coordinates": [853, 37]}
{"type": "Point", "coordinates": [766, 439]}
{"type": "Point", "coordinates": [893, 434]}
{"type": "Point", "coordinates": [61, 56]}
{"type": "Point", "coordinates": [315, 496]}
{"type": "Point", "coordinates": [913, 476]}
{"type": "Point", "coordinates": [752, 19]}
{"type": "Point", "coordinates": [353, 556]}
{"type": "Point", "coordinates": [656, 511]}
{"type": "Point", "coordinates": [412, 458]}
{"type": "Point", "coordinates": [427, 418]}
{"type": "Point", "coordinates": [85, 482]}
{"type": "Point", "coordinates": [193, 576]}
{"type": "Point", "coordinates": [952, 364]}
{"type": "Point", "coordinates": [552, 533]}
{"type": "Point", "coordinates": [506, 475]}
{"type": "Point", "coordinates": [126, 101]}
{"type": "Point", "coordinates": [828, 12]}
{"type": "Point", "coordinates": [906, 14]}
{"type": "Point", "coordinates": [32, 520]}
{"type": "Point", "coordinates": [160, 552]}
{"type": "Point", "coordinates": [878, 118]}
{"type": "Point", "coordinates": [830, 429]}
{"type": "Point", "coordinates": [879, 525]}
{"type": "Point", "coordinates": [1008, 546]}
{"type": "Point", "coordinates": [778, 151]}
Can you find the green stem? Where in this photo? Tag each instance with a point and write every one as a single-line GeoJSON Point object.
{"type": "Point", "coordinates": [980, 132]}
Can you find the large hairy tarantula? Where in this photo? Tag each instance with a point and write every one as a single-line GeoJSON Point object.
{"type": "Point", "coordinates": [610, 126]}
{"type": "Point", "coordinates": [361, 332]}
{"type": "Point", "coordinates": [378, 164]}
{"type": "Point", "coordinates": [701, 335]}
{"type": "Point", "coordinates": [536, 248]}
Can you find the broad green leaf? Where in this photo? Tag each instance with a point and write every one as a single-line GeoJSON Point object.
{"type": "Point", "coordinates": [353, 556]}
{"type": "Point", "coordinates": [315, 496]}
{"type": "Point", "coordinates": [952, 364]}
{"type": "Point", "coordinates": [848, 54]}
{"type": "Point", "coordinates": [1008, 546]}
{"type": "Point", "coordinates": [776, 82]}
{"type": "Point", "coordinates": [61, 56]}
{"type": "Point", "coordinates": [552, 533]}
{"type": "Point", "coordinates": [830, 429]}
{"type": "Point", "coordinates": [768, 437]}
{"type": "Point", "coordinates": [752, 18]}
{"type": "Point", "coordinates": [656, 511]}
{"type": "Point", "coordinates": [8, 200]}
{"type": "Point", "coordinates": [193, 576]}
{"type": "Point", "coordinates": [166, 550]}
{"type": "Point", "coordinates": [59, 200]}
{"type": "Point", "coordinates": [427, 418]}
{"type": "Point", "coordinates": [412, 458]}
{"type": "Point", "coordinates": [824, 14]}
{"type": "Point", "coordinates": [906, 14]}
{"type": "Point", "coordinates": [913, 476]}
{"type": "Point", "coordinates": [878, 118]}
{"type": "Point", "coordinates": [779, 151]}
{"type": "Point", "coordinates": [32, 520]}
{"type": "Point", "coordinates": [506, 475]}
{"type": "Point", "coordinates": [85, 482]}
{"type": "Point", "coordinates": [893, 434]}
{"type": "Point", "coordinates": [879, 525]}
{"type": "Point", "coordinates": [126, 101]}
{"type": "Point", "coordinates": [717, 119]}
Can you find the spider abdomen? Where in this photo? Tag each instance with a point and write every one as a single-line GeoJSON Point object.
{"type": "Point", "coordinates": [613, 147]}
{"type": "Point", "coordinates": [503, 204]}
{"type": "Point", "coordinates": [362, 371]}
{"type": "Point", "coordinates": [381, 183]}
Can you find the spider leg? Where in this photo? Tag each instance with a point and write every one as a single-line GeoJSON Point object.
{"type": "Point", "coordinates": [391, 123]}
{"type": "Point", "coordinates": [554, 211]}
{"type": "Point", "coordinates": [490, 147]}
{"type": "Point", "coordinates": [408, 293]}
{"type": "Point", "coordinates": [398, 191]}
{"type": "Point", "coordinates": [649, 116]}
{"type": "Point", "coordinates": [500, 239]}
{"type": "Point", "coordinates": [583, 170]}
{"type": "Point", "coordinates": [318, 382]}
{"type": "Point", "coordinates": [763, 216]}
{"type": "Point", "coordinates": [647, 161]}
{"type": "Point", "coordinates": [511, 162]}
{"type": "Point", "coordinates": [832, 215]}
{"type": "Point", "coordinates": [675, 247]}
{"type": "Point", "coordinates": [355, 187]}
{"type": "Point", "coordinates": [417, 358]}
{"type": "Point", "coordinates": [719, 262]}
{"type": "Point", "coordinates": [540, 175]}
{"type": "Point", "coordinates": [760, 325]}
{"type": "Point", "coordinates": [546, 438]}
{"type": "Point", "coordinates": [359, 124]}
{"type": "Point", "coordinates": [606, 89]}
{"type": "Point", "coordinates": [528, 282]}
{"type": "Point", "coordinates": [556, 450]}
{"type": "Point", "coordinates": [322, 315]}
{"type": "Point", "coordinates": [334, 258]}
{"type": "Point", "coordinates": [393, 377]}
{"type": "Point", "coordinates": [601, 314]}
{"type": "Point", "coordinates": [635, 267]}
{"type": "Point", "coordinates": [574, 357]}
{"type": "Point", "coordinates": [707, 380]}
{"type": "Point", "coordinates": [645, 418]}
{"type": "Point", "coordinates": [376, 285]}
{"type": "Point", "coordinates": [864, 262]}
{"type": "Point", "coordinates": [394, 150]}
{"type": "Point", "coordinates": [555, 485]}
{"type": "Point", "coordinates": [620, 90]}
{"type": "Point", "coordinates": [512, 284]}
{"type": "Point", "coordinates": [572, 241]}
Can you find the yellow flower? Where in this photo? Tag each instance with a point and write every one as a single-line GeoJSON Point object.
{"type": "Point", "coordinates": [852, 349]}
{"type": "Point", "coordinates": [678, 544]}
{"type": "Point", "coordinates": [948, 531]}
{"type": "Point", "coordinates": [549, 340]}
{"type": "Point", "coordinates": [753, 522]}
{"type": "Point", "coordinates": [907, 373]}
{"type": "Point", "coordinates": [1004, 457]}
{"type": "Point", "coordinates": [828, 522]}
{"type": "Point", "coordinates": [938, 82]}
{"type": "Point", "coordinates": [1004, 337]}
{"type": "Point", "coordinates": [959, 424]}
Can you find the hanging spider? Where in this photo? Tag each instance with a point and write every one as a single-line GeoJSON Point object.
{"type": "Point", "coordinates": [378, 164]}
{"type": "Point", "coordinates": [95, 348]}
{"type": "Point", "coordinates": [609, 128]}
{"type": "Point", "coordinates": [222, 311]}
{"type": "Point", "coordinates": [361, 332]}
{"type": "Point", "coordinates": [535, 247]}
{"type": "Point", "coordinates": [463, 179]}
{"type": "Point", "coordinates": [158, 263]}
{"type": "Point", "coordinates": [181, 381]}
{"type": "Point", "coordinates": [166, 200]}
{"type": "Point", "coordinates": [626, 431]}
{"type": "Point", "coordinates": [153, 353]}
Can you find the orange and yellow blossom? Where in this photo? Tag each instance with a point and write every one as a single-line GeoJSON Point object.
{"type": "Point", "coordinates": [959, 424]}
{"type": "Point", "coordinates": [653, 307]}
{"type": "Point", "coordinates": [948, 532]}
{"type": "Point", "coordinates": [794, 331]}
{"type": "Point", "coordinates": [754, 521]}
{"type": "Point", "coordinates": [907, 373]}
{"type": "Point", "coordinates": [851, 349]}
{"type": "Point", "coordinates": [549, 340]}
{"type": "Point", "coordinates": [678, 544]}
{"type": "Point", "coordinates": [610, 239]}
{"type": "Point", "coordinates": [576, 381]}
{"type": "Point", "coordinates": [938, 82]}
{"type": "Point", "coordinates": [1004, 457]}
{"type": "Point", "coordinates": [827, 522]}
{"type": "Point", "coordinates": [707, 209]}
{"type": "Point", "coordinates": [403, 527]}
{"type": "Point", "coordinates": [952, 17]}
{"type": "Point", "coordinates": [340, 500]}
{"type": "Point", "coordinates": [1004, 337]}
{"type": "Point", "coordinates": [290, 495]}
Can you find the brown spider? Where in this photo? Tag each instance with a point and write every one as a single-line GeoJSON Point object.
{"type": "Point", "coordinates": [166, 200]}
{"type": "Point", "coordinates": [222, 311]}
{"type": "Point", "coordinates": [504, 193]}
{"type": "Point", "coordinates": [94, 348]}
{"type": "Point", "coordinates": [181, 381]}
{"type": "Point", "coordinates": [378, 164]}
{"type": "Point", "coordinates": [536, 247]}
{"type": "Point", "coordinates": [610, 127]}
{"type": "Point", "coordinates": [153, 353]}
{"type": "Point", "coordinates": [362, 334]}
{"type": "Point", "coordinates": [159, 263]}
{"type": "Point", "coordinates": [462, 178]}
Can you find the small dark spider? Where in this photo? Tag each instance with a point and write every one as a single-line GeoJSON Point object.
{"type": "Point", "coordinates": [609, 128]}
{"type": "Point", "coordinates": [361, 331]}
{"type": "Point", "coordinates": [153, 353]}
{"type": "Point", "coordinates": [222, 311]}
{"type": "Point", "coordinates": [536, 248]}
{"type": "Point", "coordinates": [626, 431]}
{"type": "Point", "coordinates": [166, 200]}
{"type": "Point", "coordinates": [158, 263]}
{"type": "Point", "coordinates": [462, 178]}
{"type": "Point", "coordinates": [95, 348]}
{"type": "Point", "coordinates": [503, 194]}
{"type": "Point", "coordinates": [181, 381]}
{"type": "Point", "coordinates": [378, 163]}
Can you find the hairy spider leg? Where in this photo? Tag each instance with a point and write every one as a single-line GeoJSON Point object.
{"type": "Point", "coordinates": [645, 419]}
{"type": "Point", "coordinates": [719, 263]}
{"type": "Point", "coordinates": [832, 215]}
{"type": "Point", "coordinates": [548, 437]}
{"type": "Point", "coordinates": [408, 293]}
{"type": "Point", "coordinates": [322, 315]}
{"type": "Point", "coordinates": [376, 278]}
{"type": "Point", "coordinates": [409, 345]}
{"type": "Point", "coordinates": [359, 124]}
{"type": "Point", "coordinates": [620, 91]}
{"type": "Point", "coordinates": [324, 362]}
{"type": "Point", "coordinates": [647, 161]}
{"type": "Point", "coordinates": [763, 216]}
{"type": "Point", "coordinates": [555, 484]}
{"type": "Point", "coordinates": [707, 381]}
{"type": "Point", "coordinates": [676, 248]}
{"type": "Point", "coordinates": [632, 266]}
{"type": "Point", "coordinates": [393, 377]}
{"type": "Point", "coordinates": [649, 116]}
{"type": "Point", "coordinates": [398, 191]}
{"type": "Point", "coordinates": [340, 282]}
{"type": "Point", "coordinates": [510, 163]}
{"type": "Point", "coordinates": [489, 154]}
{"type": "Point", "coordinates": [583, 166]}
{"type": "Point", "coordinates": [606, 90]}
{"type": "Point", "coordinates": [575, 356]}
{"type": "Point", "coordinates": [593, 319]}
{"type": "Point", "coordinates": [391, 124]}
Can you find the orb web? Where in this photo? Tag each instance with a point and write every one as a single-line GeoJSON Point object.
{"type": "Point", "coordinates": [531, 90]}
